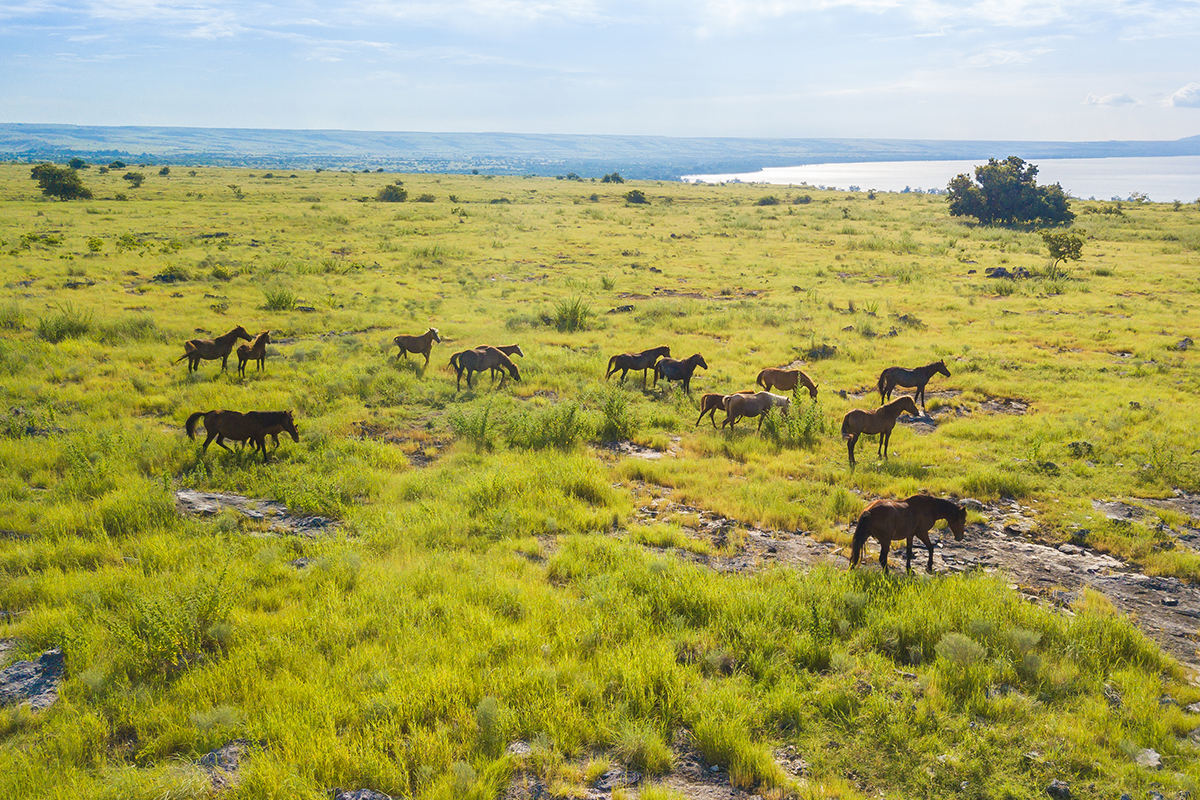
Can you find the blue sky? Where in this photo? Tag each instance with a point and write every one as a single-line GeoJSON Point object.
{"type": "Point", "coordinates": [943, 69]}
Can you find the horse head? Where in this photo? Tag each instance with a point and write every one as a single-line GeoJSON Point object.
{"type": "Point", "coordinates": [906, 403]}
{"type": "Point", "coordinates": [812, 391]}
{"type": "Point", "coordinates": [436, 336]}
{"type": "Point", "coordinates": [517, 351]}
{"type": "Point", "coordinates": [514, 372]}
{"type": "Point", "coordinates": [698, 360]}
{"type": "Point", "coordinates": [289, 425]}
{"type": "Point", "coordinates": [941, 367]}
{"type": "Point", "coordinates": [242, 333]}
{"type": "Point", "coordinates": [957, 523]}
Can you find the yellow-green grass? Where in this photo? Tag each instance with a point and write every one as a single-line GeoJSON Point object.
{"type": "Point", "coordinates": [505, 590]}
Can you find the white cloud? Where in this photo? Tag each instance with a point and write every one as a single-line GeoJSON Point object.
{"type": "Point", "coordinates": [1111, 100]}
{"type": "Point", "coordinates": [997, 57]}
{"type": "Point", "coordinates": [1187, 97]}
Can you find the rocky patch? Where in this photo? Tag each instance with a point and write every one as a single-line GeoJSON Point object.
{"type": "Point", "coordinates": [33, 683]}
{"type": "Point", "coordinates": [274, 515]}
{"type": "Point", "coordinates": [222, 764]}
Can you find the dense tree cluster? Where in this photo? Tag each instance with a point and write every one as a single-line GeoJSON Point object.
{"type": "Point", "coordinates": [393, 193]}
{"type": "Point", "coordinates": [1006, 193]}
{"type": "Point", "coordinates": [61, 182]}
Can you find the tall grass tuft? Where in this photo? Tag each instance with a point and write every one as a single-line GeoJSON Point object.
{"type": "Point", "coordinates": [12, 317]}
{"type": "Point", "coordinates": [560, 426]}
{"type": "Point", "coordinates": [619, 419]}
{"type": "Point", "coordinates": [572, 315]}
{"type": "Point", "coordinates": [279, 298]}
{"type": "Point", "coordinates": [477, 426]}
{"type": "Point", "coordinates": [67, 322]}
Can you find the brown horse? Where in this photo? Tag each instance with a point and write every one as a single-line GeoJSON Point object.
{"type": "Point", "coordinates": [889, 520]}
{"type": "Point", "coordinates": [892, 377]}
{"type": "Point", "coordinates": [710, 404]}
{"type": "Point", "coordinates": [257, 352]}
{"type": "Point", "coordinates": [671, 369]}
{"type": "Point", "coordinates": [787, 380]}
{"type": "Point", "coordinates": [238, 427]}
{"type": "Point", "coordinates": [508, 350]}
{"type": "Point", "coordinates": [211, 349]}
{"type": "Point", "coordinates": [881, 421]}
{"type": "Point", "coordinates": [478, 360]}
{"type": "Point", "coordinates": [417, 345]}
{"type": "Point", "coordinates": [644, 360]}
{"type": "Point", "coordinates": [753, 405]}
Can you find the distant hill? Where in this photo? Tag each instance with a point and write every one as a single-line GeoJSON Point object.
{"type": "Point", "coordinates": [653, 157]}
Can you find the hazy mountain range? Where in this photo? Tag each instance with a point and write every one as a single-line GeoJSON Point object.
{"type": "Point", "coordinates": [654, 157]}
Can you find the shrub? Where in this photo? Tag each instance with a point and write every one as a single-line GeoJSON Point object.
{"type": "Point", "coordinates": [67, 322]}
{"type": "Point", "coordinates": [426, 198]}
{"type": "Point", "coordinates": [620, 421]}
{"type": "Point", "coordinates": [95, 244]}
{"type": "Point", "coordinates": [769, 200]}
{"type": "Point", "coordinates": [572, 315]}
{"type": "Point", "coordinates": [60, 182]}
{"type": "Point", "coordinates": [636, 197]}
{"type": "Point", "coordinates": [612, 177]}
{"type": "Point", "coordinates": [560, 426]}
{"type": "Point", "coordinates": [641, 748]}
{"type": "Point", "coordinates": [477, 426]}
{"type": "Point", "coordinates": [393, 193]}
{"type": "Point", "coordinates": [279, 298]}
{"type": "Point", "coordinates": [135, 179]}
{"type": "Point", "coordinates": [12, 317]}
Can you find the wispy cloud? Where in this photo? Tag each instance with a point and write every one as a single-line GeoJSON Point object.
{"type": "Point", "coordinates": [1111, 100]}
{"type": "Point", "coordinates": [997, 57]}
{"type": "Point", "coordinates": [1187, 97]}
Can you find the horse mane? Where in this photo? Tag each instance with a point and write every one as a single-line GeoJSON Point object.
{"type": "Point", "coordinates": [894, 403]}
{"type": "Point", "coordinates": [271, 417]}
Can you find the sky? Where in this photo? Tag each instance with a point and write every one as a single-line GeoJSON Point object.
{"type": "Point", "coordinates": [1064, 70]}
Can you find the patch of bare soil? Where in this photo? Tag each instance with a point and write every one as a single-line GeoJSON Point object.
{"type": "Point", "coordinates": [419, 447]}
{"type": "Point", "coordinates": [273, 515]}
{"type": "Point", "coordinates": [624, 447]}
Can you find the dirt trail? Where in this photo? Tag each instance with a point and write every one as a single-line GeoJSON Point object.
{"type": "Point", "coordinates": [1007, 542]}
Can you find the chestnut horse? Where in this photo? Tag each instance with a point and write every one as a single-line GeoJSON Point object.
{"type": "Point", "coordinates": [211, 349]}
{"type": "Point", "coordinates": [238, 427]}
{"type": "Point", "coordinates": [417, 345]}
{"type": "Point", "coordinates": [787, 380]}
{"type": "Point", "coordinates": [257, 352]}
{"type": "Point", "coordinates": [881, 421]}
{"type": "Point", "coordinates": [753, 405]}
{"type": "Point", "coordinates": [478, 360]}
{"type": "Point", "coordinates": [671, 369]}
{"type": "Point", "coordinates": [890, 520]}
{"type": "Point", "coordinates": [712, 403]}
{"type": "Point", "coordinates": [508, 350]}
{"type": "Point", "coordinates": [892, 377]}
{"type": "Point", "coordinates": [634, 361]}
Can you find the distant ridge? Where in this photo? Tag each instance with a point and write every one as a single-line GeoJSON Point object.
{"type": "Point", "coordinates": [652, 157]}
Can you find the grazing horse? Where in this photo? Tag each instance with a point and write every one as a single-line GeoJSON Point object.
{"type": "Point", "coordinates": [753, 405]}
{"type": "Point", "coordinates": [634, 361]}
{"type": "Point", "coordinates": [478, 360]}
{"type": "Point", "coordinates": [881, 421]}
{"type": "Point", "coordinates": [238, 427]}
{"type": "Point", "coordinates": [890, 520]}
{"type": "Point", "coordinates": [211, 349]}
{"type": "Point", "coordinates": [712, 403]}
{"type": "Point", "coordinates": [508, 350]}
{"type": "Point", "coordinates": [417, 345]}
{"type": "Point", "coordinates": [670, 369]}
{"type": "Point", "coordinates": [787, 380]}
{"type": "Point", "coordinates": [892, 377]}
{"type": "Point", "coordinates": [256, 351]}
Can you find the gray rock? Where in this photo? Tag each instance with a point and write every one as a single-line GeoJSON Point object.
{"type": "Point", "coordinates": [222, 764]}
{"type": "Point", "coordinates": [359, 794]}
{"type": "Point", "coordinates": [615, 779]}
{"type": "Point", "coordinates": [1149, 759]}
{"type": "Point", "coordinates": [518, 749]}
{"type": "Point", "coordinates": [33, 682]}
{"type": "Point", "coordinates": [1059, 790]}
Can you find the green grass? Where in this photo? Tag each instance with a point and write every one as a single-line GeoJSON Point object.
{"type": "Point", "coordinates": [493, 578]}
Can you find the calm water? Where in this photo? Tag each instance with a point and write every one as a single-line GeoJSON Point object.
{"type": "Point", "coordinates": [1163, 179]}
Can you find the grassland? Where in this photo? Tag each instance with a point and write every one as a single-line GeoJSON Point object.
{"type": "Point", "coordinates": [490, 579]}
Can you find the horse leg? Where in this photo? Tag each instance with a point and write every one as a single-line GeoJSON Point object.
{"type": "Point", "coordinates": [850, 446]}
{"type": "Point", "coordinates": [884, 543]}
{"type": "Point", "coordinates": [908, 555]}
{"type": "Point", "coordinates": [929, 546]}
{"type": "Point", "coordinates": [427, 358]}
{"type": "Point", "coordinates": [225, 363]}
{"type": "Point", "coordinates": [884, 438]}
{"type": "Point", "coordinates": [221, 442]}
{"type": "Point", "coordinates": [211, 435]}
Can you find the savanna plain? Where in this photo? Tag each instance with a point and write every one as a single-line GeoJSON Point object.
{"type": "Point", "coordinates": [534, 583]}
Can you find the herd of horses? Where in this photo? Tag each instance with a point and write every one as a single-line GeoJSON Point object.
{"type": "Point", "coordinates": [885, 520]}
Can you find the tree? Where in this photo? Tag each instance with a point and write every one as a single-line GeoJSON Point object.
{"type": "Point", "coordinates": [392, 193]}
{"type": "Point", "coordinates": [78, 163]}
{"type": "Point", "coordinates": [1063, 246]}
{"type": "Point", "coordinates": [117, 165]}
{"type": "Point", "coordinates": [60, 182]}
{"type": "Point", "coordinates": [1006, 193]}
{"type": "Point", "coordinates": [165, 171]}
{"type": "Point", "coordinates": [637, 197]}
{"type": "Point", "coordinates": [135, 179]}
{"type": "Point", "coordinates": [612, 177]}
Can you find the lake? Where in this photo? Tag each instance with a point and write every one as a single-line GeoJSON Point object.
{"type": "Point", "coordinates": [1163, 179]}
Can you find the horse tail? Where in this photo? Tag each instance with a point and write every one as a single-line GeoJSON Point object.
{"type": "Point", "coordinates": [190, 426]}
{"type": "Point", "coordinates": [882, 383]}
{"type": "Point", "coordinates": [611, 368]}
{"type": "Point", "coordinates": [761, 381]}
{"type": "Point", "coordinates": [454, 362]}
{"type": "Point", "coordinates": [861, 532]}
{"type": "Point", "coordinates": [846, 432]}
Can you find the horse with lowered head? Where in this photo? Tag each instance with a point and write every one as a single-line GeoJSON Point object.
{"type": "Point", "coordinates": [478, 360]}
{"type": "Point", "coordinates": [644, 360]}
{"type": "Point", "coordinates": [890, 520]}
{"type": "Point", "coordinates": [753, 405]}
{"type": "Point", "coordinates": [881, 421]}
{"type": "Point", "coordinates": [254, 426]}
{"type": "Point", "coordinates": [255, 351]}
{"type": "Point", "coordinates": [710, 404]}
{"type": "Point", "coordinates": [787, 380]}
{"type": "Point", "coordinates": [508, 350]}
{"type": "Point", "coordinates": [892, 377]}
{"type": "Point", "coordinates": [417, 345]}
{"type": "Point", "coordinates": [195, 350]}
{"type": "Point", "coordinates": [672, 369]}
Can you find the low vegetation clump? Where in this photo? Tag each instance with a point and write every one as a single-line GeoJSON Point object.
{"type": "Point", "coordinates": [547, 578]}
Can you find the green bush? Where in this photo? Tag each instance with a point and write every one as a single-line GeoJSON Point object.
{"type": "Point", "coordinates": [279, 298]}
{"type": "Point", "coordinates": [67, 322]}
{"type": "Point", "coordinates": [572, 315]}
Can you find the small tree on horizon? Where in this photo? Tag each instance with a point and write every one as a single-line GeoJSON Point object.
{"type": "Point", "coordinates": [392, 193]}
{"type": "Point", "coordinates": [135, 179]}
{"type": "Point", "coordinates": [60, 182]}
{"type": "Point", "coordinates": [637, 197]}
{"type": "Point", "coordinates": [612, 177]}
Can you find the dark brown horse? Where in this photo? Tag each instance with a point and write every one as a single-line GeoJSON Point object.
{"type": "Point", "coordinates": [478, 360]}
{"type": "Point", "coordinates": [508, 350]}
{"type": "Point", "coordinates": [671, 369]}
{"type": "Point", "coordinates": [892, 377]}
{"type": "Point", "coordinates": [254, 426]}
{"type": "Point", "coordinates": [710, 404]}
{"type": "Point", "coordinates": [417, 345]}
{"type": "Point", "coordinates": [881, 421]}
{"type": "Point", "coordinates": [256, 351]}
{"type": "Point", "coordinates": [890, 520]}
{"type": "Point", "coordinates": [788, 380]}
{"type": "Point", "coordinates": [195, 350]}
{"type": "Point", "coordinates": [644, 360]}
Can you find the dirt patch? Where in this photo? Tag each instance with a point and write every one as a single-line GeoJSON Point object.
{"type": "Point", "coordinates": [274, 515]}
{"type": "Point", "coordinates": [624, 447]}
{"type": "Point", "coordinates": [419, 447]}
{"type": "Point", "coordinates": [1004, 405]}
